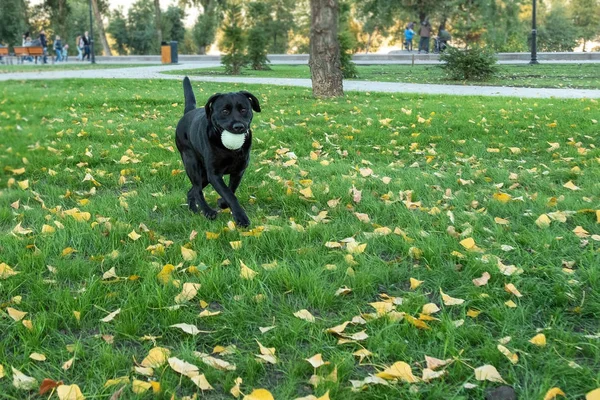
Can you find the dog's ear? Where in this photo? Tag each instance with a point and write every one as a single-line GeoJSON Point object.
{"type": "Point", "coordinates": [253, 100]}
{"type": "Point", "coordinates": [209, 103]}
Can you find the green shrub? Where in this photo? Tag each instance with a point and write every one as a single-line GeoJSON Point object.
{"type": "Point", "coordinates": [469, 64]}
{"type": "Point", "coordinates": [233, 42]}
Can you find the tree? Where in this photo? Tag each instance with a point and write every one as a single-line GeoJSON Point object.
{"type": "Point", "coordinates": [259, 17]}
{"type": "Point", "coordinates": [281, 23]}
{"type": "Point", "coordinates": [558, 32]}
{"type": "Point", "coordinates": [157, 21]}
{"type": "Point", "coordinates": [140, 25]}
{"type": "Point", "coordinates": [206, 25]}
{"type": "Point", "coordinates": [118, 30]}
{"type": "Point", "coordinates": [100, 26]}
{"type": "Point", "coordinates": [586, 17]}
{"type": "Point", "coordinates": [233, 43]}
{"type": "Point", "coordinates": [324, 61]}
{"type": "Point", "coordinates": [13, 21]}
{"type": "Point", "coordinates": [172, 21]}
{"type": "Point", "coordinates": [347, 42]}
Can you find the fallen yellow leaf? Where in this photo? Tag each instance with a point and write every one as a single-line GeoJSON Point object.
{"type": "Point", "coordinates": [415, 283]}
{"type": "Point", "coordinates": [488, 373]}
{"type": "Point", "coordinates": [538, 340]}
{"type": "Point", "coordinates": [305, 315]}
{"type": "Point", "coordinates": [399, 370]}
{"type": "Point", "coordinates": [552, 393]}
{"type": "Point", "coordinates": [69, 392]}
{"type": "Point", "coordinates": [259, 394]}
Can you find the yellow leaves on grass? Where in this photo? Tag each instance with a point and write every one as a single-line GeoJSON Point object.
{"type": "Point", "coordinates": [316, 361]}
{"type": "Point", "coordinates": [267, 354]}
{"type": "Point", "coordinates": [415, 283]}
{"type": "Point", "coordinates": [552, 393]}
{"type": "Point", "coordinates": [188, 254]}
{"type": "Point", "coordinates": [399, 370]}
{"type": "Point", "coordinates": [305, 315]}
{"type": "Point", "coordinates": [246, 272]}
{"type": "Point", "coordinates": [157, 357]}
{"type": "Point", "coordinates": [538, 340]}
{"type": "Point", "coordinates": [510, 288]}
{"type": "Point", "coordinates": [22, 381]}
{"type": "Point", "coordinates": [15, 314]}
{"type": "Point", "coordinates": [69, 392]}
{"type": "Point", "coordinates": [450, 301]}
{"type": "Point", "coordinates": [188, 292]}
{"type": "Point", "coordinates": [570, 185]}
{"type": "Point", "coordinates": [488, 373]}
{"type": "Point", "coordinates": [6, 271]}
{"type": "Point", "coordinates": [259, 394]}
{"type": "Point", "coordinates": [543, 221]}
{"type": "Point", "coordinates": [593, 395]}
{"type": "Point", "coordinates": [502, 197]}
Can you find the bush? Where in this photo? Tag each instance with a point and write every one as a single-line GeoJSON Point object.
{"type": "Point", "coordinates": [469, 64]}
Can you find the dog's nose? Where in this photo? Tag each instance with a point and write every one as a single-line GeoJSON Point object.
{"type": "Point", "coordinates": [239, 127]}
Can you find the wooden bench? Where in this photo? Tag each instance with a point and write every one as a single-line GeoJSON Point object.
{"type": "Point", "coordinates": [35, 51]}
{"type": "Point", "coordinates": [4, 53]}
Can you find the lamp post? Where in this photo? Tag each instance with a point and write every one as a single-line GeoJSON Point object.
{"type": "Point", "coordinates": [533, 36]}
{"type": "Point", "coordinates": [93, 58]}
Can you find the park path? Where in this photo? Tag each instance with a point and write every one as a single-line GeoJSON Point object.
{"type": "Point", "coordinates": [154, 72]}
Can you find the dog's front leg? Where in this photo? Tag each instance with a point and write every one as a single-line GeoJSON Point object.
{"type": "Point", "coordinates": [239, 215]}
{"type": "Point", "coordinates": [234, 182]}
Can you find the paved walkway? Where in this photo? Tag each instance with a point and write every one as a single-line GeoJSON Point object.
{"type": "Point", "coordinates": [154, 72]}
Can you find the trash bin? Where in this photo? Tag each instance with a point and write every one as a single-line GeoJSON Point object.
{"type": "Point", "coordinates": [174, 56]}
{"type": "Point", "coordinates": [165, 53]}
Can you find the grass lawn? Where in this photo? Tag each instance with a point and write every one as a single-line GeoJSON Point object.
{"type": "Point", "coordinates": [4, 69]}
{"type": "Point", "coordinates": [352, 201]}
{"type": "Point", "coordinates": [584, 76]}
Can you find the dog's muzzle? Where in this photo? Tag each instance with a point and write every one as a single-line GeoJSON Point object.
{"type": "Point", "coordinates": [233, 141]}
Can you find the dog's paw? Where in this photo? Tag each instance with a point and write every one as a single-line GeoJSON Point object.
{"type": "Point", "coordinates": [222, 203]}
{"type": "Point", "coordinates": [241, 220]}
{"type": "Point", "coordinates": [193, 207]}
{"type": "Point", "coordinates": [209, 213]}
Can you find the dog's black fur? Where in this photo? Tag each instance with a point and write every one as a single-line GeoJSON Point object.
{"type": "Point", "coordinates": [206, 160]}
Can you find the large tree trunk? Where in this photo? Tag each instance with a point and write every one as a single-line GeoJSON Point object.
{"type": "Point", "coordinates": [100, 26]}
{"type": "Point", "coordinates": [157, 19]}
{"type": "Point", "coordinates": [324, 62]}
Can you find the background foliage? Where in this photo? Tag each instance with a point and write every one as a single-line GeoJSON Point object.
{"type": "Point", "coordinates": [502, 25]}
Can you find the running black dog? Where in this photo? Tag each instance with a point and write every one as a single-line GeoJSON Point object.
{"type": "Point", "coordinates": [215, 141]}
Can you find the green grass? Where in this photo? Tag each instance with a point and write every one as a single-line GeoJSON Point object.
{"type": "Point", "coordinates": [4, 69]}
{"type": "Point", "coordinates": [583, 76]}
{"type": "Point", "coordinates": [58, 134]}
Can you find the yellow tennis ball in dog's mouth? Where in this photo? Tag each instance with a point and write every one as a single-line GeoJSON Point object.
{"type": "Point", "coordinates": [233, 141]}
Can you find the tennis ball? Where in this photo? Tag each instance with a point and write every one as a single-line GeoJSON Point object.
{"type": "Point", "coordinates": [233, 141]}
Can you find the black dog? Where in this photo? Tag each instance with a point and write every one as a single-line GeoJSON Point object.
{"type": "Point", "coordinates": [215, 141]}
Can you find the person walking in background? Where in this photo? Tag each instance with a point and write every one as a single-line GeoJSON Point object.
{"type": "Point", "coordinates": [424, 34]}
{"type": "Point", "coordinates": [65, 52]}
{"type": "Point", "coordinates": [86, 46]}
{"type": "Point", "coordinates": [408, 36]}
{"type": "Point", "coordinates": [442, 40]}
{"type": "Point", "coordinates": [44, 44]}
{"type": "Point", "coordinates": [79, 45]}
{"type": "Point", "coordinates": [57, 47]}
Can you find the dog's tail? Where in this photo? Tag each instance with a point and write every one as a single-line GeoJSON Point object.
{"type": "Point", "coordinates": [188, 93]}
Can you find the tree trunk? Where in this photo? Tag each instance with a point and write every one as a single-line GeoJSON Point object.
{"type": "Point", "coordinates": [324, 62]}
{"type": "Point", "coordinates": [100, 26]}
{"type": "Point", "coordinates": [157, 19]}
{"type": "Point", "coordinates": [201, 50]}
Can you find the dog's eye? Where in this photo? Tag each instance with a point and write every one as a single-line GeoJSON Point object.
{"type": "Point", "coordinates": [225, 112]}
{"type": "Point", "coordinates": [243, 111]}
